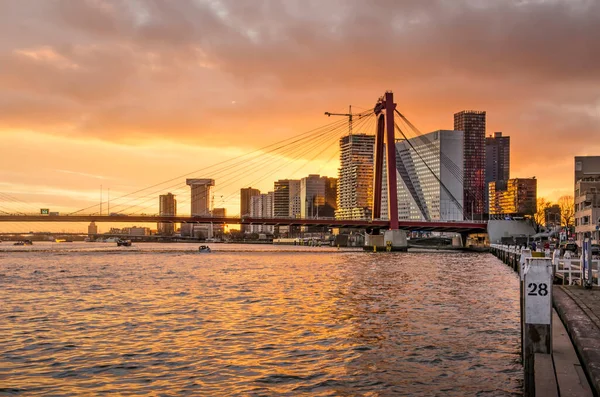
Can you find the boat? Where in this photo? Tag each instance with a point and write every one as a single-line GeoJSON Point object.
{"type": "Point", "coordinates": [24, 242]}
{"type": "Point", "coordinates": [123, 243]}
{"type": "Point", "coordinates": [204, 248]}
{"type": "Point", "coordinates": [60, 240]}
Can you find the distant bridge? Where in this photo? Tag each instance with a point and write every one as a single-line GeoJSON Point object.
{"type": "Point", "coordinates": [434, 226]}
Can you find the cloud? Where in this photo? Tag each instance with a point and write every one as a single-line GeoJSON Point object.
{"type": "Point", "coordinates": [132, 71]}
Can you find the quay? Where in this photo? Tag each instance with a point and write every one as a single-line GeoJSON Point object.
{"type": "Point", "coordinates": [568, 364]}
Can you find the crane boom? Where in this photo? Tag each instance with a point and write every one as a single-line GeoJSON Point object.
{"type": "Point", "coordinates": [349, 115]}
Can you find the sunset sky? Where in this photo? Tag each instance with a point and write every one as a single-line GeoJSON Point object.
{"type": "Point", "coordinates": [127, 94]}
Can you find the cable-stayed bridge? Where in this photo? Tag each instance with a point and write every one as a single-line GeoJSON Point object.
{"type": "Point", "coordinates": [293, 156]}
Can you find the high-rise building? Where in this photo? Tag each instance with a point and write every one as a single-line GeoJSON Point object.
{"type": "Point", "coordinates": [328, 210]}
{"type": "Point", "coordinates": [295, 204]}
{"type": "Point", "coordinates": [472, 123]}
{"type": "Point", "coordinates": [246, 195]}
{"type": "Point", "coordinates": [355, 182]}
{"type": "Point", "coordinates": [167, 206]}
{"type": "Point", "coordinates": [286, 198]}
{"type": "Point", "coordinates": [497, 161]}
{"type": "Point", "coordinates": [317, 198]}
{"type": "Point", "coordinates": [586, 198]}
{"type": "Point", "coordinates": [92, 228]}
{"type": "Point", "coordinates": [429, 171]}
{"type": "Point", "coordinates": [516, 196]}
{"type": "Point", "coordinates": [201, 190]}
{"type": "Point", "coordinates": [262, 207]}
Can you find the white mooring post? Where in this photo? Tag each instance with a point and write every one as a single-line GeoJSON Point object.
{"type": "Point", "coordinates": [525, 253]}
{"type": "Point", "coordinates": [537, 331]}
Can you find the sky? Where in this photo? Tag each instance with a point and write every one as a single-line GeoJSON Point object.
{"type": "Point", "coordinates": [128, 94]}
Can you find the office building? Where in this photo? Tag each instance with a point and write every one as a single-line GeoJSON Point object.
{"type": "Point", "coordinates": [497, 161]}
{"type": "Point", "coordinates": [286, 203]}
{"type": "Point", "coordinates": [515, 197]}
{"type": "Point", "coordinates": [472, 123]}
{"type": "Point", "coordinates": [355, 177]}
{"type": "Point", "coordinates": [92, 229]}
{"type": "Point", "coordinates": [167, 206]}
{"type": "Point", "coordinates": [246, 195]}
{"type": "Point", "coordinates": [317, 197]}
{"type": "Point", "coordinates": [586, 166]}
{"type": "Point", "coordinates": [262, 207]}
{"type": "Point", "coordinates": [201, 190]}
{"type": "Point", "coordinates": [286, 198]}
{"type": "Point", "coordinates": [587, 198]}
{"type": "Point", "coordinates": [587, 208]}
{"type": "Point", "coordinates": [429, 176]}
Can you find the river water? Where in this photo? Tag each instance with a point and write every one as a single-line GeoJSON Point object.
{"type": "Point", "coordinates": [87, 319]}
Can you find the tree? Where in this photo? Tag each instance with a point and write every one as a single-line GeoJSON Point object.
{"type": "Point", "coordinates": [540, 215]}
{"type": "Point", "coordinates": [567, 211]}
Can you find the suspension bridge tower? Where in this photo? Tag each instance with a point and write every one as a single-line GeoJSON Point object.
{"type": "Point", "coordinates": [392, 239]}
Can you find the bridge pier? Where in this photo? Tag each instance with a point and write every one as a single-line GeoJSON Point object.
{"type": "Point", "coordinates": [390, 240]}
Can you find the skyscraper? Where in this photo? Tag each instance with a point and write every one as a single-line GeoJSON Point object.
{"type": "Point", "coordinates": [497, 161]}
{"type": "Point", "coordinates": [317, 196]}
{"type": "Point", "coordinates": [201, 196]}
{"type": "Point", "coordinates": [472, 123]}
{"type": "Point", "coordinates": [262, 207]}
{"type": "Point", "coordinates": [246, 195]}
{"type": "Point", "coordinates": [286, 198]}
{"type": "Point", "coordinates": [423, 194]}
{"type": "Point", "coordinates": [167, 206]}
{"type": "Point", "coordinates": [355, 182]}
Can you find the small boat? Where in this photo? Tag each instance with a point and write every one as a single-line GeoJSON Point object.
{"type": "Point", "coordinates": [123, 243]}
{"type": "Point", "coordinates": [204, 248]}
{"type": "Point", "coordinates": [24, 242]}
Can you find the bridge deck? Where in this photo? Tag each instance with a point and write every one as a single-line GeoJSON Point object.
{"type": "Point", "coordinates": [439, 226]}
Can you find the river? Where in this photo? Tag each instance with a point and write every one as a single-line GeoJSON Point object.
{"type": "Point", "coordinates": [83, 319]}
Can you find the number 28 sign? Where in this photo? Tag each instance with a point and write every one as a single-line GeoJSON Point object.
{"type": "Point", "coordinates": [538, 291]}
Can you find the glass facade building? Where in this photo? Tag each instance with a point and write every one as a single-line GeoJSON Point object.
{"type": "Point", "coordinates": [430, 177]}
{"type": "Point", "coordinates": [497, 161]}
{"type": "Point", "coordinates": [513, 197]}
{"type": "Point", "coordinates": [472, 123]}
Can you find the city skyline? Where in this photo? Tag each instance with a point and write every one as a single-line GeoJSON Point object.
{"type": "Point", "coordinates": [80, 110]}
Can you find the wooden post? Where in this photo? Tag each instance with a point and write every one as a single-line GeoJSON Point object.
{"type": "Point", "coordinates": [537, 331]}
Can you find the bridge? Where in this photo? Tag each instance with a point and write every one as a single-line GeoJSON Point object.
{"type": "Point", "coordinates": [438, 226]}
{"type": "Point", "coordinates": [388, 161]}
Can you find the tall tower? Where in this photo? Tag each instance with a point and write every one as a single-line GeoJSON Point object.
{"type": "Point", "coordinates": [167, 207]}
{"type": "Point", "coordinates": [472, 123]}
{"type": "Point", "coordinates": [201, 195]}
{"type": "Point", "coordinates": [246, 195]}
{"type": "Point", "coordinates": [355, 182]}
{"type": "Point", "coordinates": [497, 161]}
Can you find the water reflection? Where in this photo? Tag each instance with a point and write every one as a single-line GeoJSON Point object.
{"type": "Point", "coordinates": [319, 323]}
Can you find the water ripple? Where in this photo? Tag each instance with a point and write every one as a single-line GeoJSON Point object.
{"type": "Point", "coordinates": [160, 321]}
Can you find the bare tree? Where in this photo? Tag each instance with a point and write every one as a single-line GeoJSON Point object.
{"type": "Point", "coordinates": [567, 211]}
{"type": "Point", "coordinates": [540, 215]}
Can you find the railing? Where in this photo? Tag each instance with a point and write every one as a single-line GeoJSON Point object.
{"type": "Point", "coordinates": [566, 268]}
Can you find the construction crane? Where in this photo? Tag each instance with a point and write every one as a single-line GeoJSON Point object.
{"type": "Point", "coordinates": [349, 115]}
